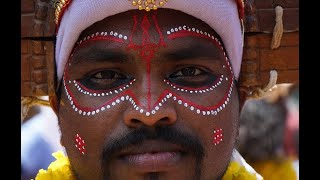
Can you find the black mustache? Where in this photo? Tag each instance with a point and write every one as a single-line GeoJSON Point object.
{"type": "Point", "coordinates": [165, 133]}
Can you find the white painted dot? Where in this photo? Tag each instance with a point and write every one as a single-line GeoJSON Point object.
{"type": "Point", "coordinates": [185, 104]}
{"type": "Point", "coordinates": [180, 28]}
{"type": "Point", "coordinates": [179, 102]}
{"type": "Point", "coordinates": [176, 29]}
{"type": "Point", "coordinates": [208, 112]}
{"type": "Point", "coordinates": [102, 109]}
{"type": "Point", "coordinates": [76, 109]}
{"type": "Point", "coordinates": [84, 113]}
{"type": "Point", "coordinates": [174, 98]}
{"type": "Point", "coordinates": [137, 108]}
{"type": "Point", "coordinates": [191, 92]}
{"type": "Point", "coordinates": [93, 112]}
{"type": "Point", "coordinates": [88, 113]}
{"type": "Point", "coordinates": [80, 111]}
{"type": "Point", "coordinates": [168, 96]}
{"type": "Point", "coordinates": [125, 37]}
{"type": "Point", "coordinates": [118, 100]}
{"type": "Point", "coordinates": [168, 32]}
{"type": "Point", "coordinates": [120, 36]}
{"type": "Point", "coordinates": [108, 106]}
{"type": "Point", "coordinates": [160, 104]}
{"type": "Point", "coordinates": [157, 108]}
{"type": "Point", "coordinates": [153, 112]}
{"type": "Point", "coordinates": [203, 113]}
{"type": "Point", "coordinates": [172, 30]}
{"type": "Point", "coordinates": [147, 114]}
{"type": "Point", "coordinates": [113, 103]}
{"type": "Point", "coordinates": [198, 111]}
{"type": "Point", "coordinates": [191, 108]}
{"type": "Point", "coordinates": [111, 33]}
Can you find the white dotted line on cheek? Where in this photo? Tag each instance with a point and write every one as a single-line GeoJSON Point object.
{"type": "Point", "coordinates": [111, 33]}
{"type": "Point", "coordinates": [92, 93]}
{"type": "Point", "coordinates": [195, 91]}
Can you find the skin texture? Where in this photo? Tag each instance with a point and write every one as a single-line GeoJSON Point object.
{"type": "Point", "coordinates": [148, 57]}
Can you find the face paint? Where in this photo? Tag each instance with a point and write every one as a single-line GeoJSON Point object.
{"type": "Point", "coordinates": [217, 136]}
{"type": "Point", "coordinates": [214, 85]}
{"type": "Point", "coordinates": [147, 48]}
{"type": "Point", "coordinates": [80, 144]}
{"type": "Point", "coordinates": [146, 51]}
{"type": "Point", "coordinates": [81, 88]}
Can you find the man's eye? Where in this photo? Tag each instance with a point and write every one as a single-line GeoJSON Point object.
{"type": "Point", "coordinates": [105, 75]}
{"type": "Point", "coordinates": [192, 77]}
{"type": "Point", "coordinates": [188, 71]}
{"type": "Point", "coordinates": [106, 79]}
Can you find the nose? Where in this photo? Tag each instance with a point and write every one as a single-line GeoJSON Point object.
{"type": "Point", "coordinates": [165, 116]}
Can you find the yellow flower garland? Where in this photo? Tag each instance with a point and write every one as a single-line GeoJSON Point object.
{"type": "Point", "coordinates": [276, 169]}
{"type": "Point", "coordinates": [60, 170]}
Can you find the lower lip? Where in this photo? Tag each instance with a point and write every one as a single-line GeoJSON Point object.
{"type": "Point", "coordinates": [153, 162]}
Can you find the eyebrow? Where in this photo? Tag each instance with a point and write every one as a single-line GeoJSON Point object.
{"type": "Point", "coordinates": [95, 54]}
{"type": "Point", "coordinates": [198, 50]}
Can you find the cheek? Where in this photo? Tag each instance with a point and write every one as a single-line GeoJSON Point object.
{"type": "Point", "coordinates": [85, 135]}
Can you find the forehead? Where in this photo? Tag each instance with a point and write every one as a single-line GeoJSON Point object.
{"type": "Point", "coordinates": [166, 19]}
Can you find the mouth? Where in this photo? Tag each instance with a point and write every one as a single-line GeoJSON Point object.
{"type": "Point", "coordinates": [152, 156]}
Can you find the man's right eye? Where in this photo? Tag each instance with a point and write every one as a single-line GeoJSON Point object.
{"type": "Point", "coordinates": [104, 80]}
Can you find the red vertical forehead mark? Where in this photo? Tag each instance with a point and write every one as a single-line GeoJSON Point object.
{"type": "Point", "coordinates": [217, 136]}
{"type": "Point", "coordinates": [80, 144]}
{"type": "Point", "coordinates": [147, 48]}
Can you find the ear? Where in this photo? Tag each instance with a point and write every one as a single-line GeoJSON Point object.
{"type": "Point", "coordinates": [54, 103]}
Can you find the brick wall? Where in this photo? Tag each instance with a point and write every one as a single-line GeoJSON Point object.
{"type": "Point", "coordinates": [37, 62]}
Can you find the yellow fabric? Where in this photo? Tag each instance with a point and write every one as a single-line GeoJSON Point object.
{"type": "Point", "coordinates": [60, 170]}
{"type": "Point", "coordinates": [276, 169]}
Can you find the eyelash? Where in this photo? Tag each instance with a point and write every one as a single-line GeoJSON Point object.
{"type": "Point", "coordinates": [104, 79]}
{"type": "Point", "coordinates": [200, 77]}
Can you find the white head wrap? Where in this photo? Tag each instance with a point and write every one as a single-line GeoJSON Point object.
{"type": "Point", "coordinates": [220, 15]}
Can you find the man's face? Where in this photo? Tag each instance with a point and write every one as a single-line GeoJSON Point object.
{"type": "Point", "coordinates": [149, 95]}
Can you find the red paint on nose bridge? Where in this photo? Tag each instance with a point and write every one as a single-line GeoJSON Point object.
{"type": "Point", "coordinates": [146, 49]}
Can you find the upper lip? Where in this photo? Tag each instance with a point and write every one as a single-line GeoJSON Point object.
{"type": "Point", "coordinates": [150, 146]}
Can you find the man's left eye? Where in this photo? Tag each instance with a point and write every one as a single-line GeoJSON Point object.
{"type": "Point", "coordinates": [188, 71]}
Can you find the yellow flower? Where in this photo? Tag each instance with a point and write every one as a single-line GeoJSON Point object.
{"type": "Point", "coordinates": [237, 172]}
{"type": "Point", "coordinates": [276, 169]}
{"type": "Point", "coordinates": [57, 170]}
{"type": "Point", "coordinates": [60, 170]}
